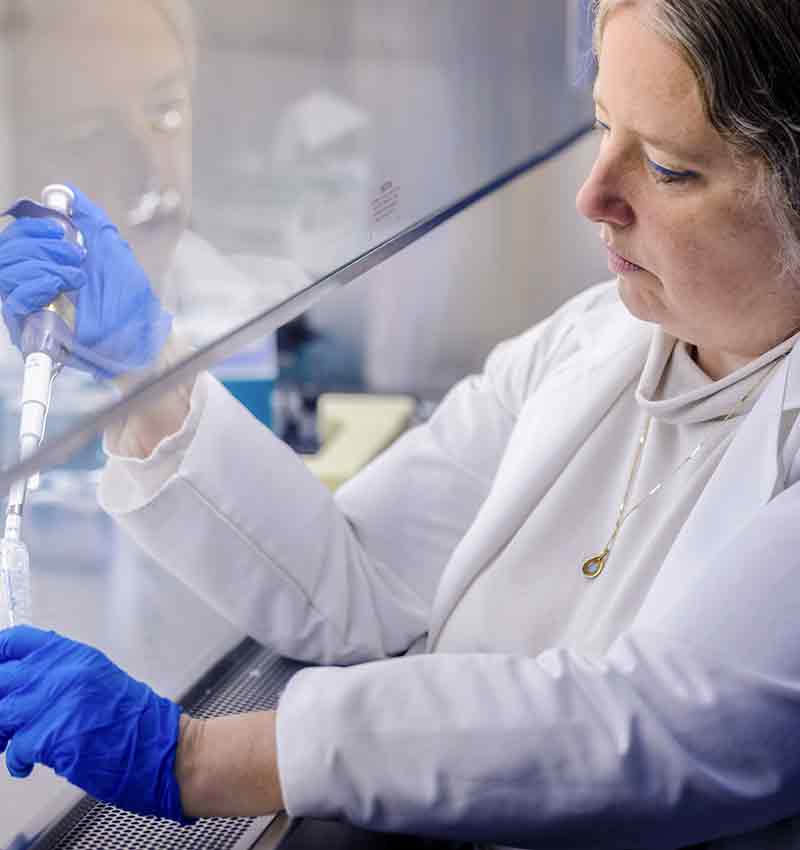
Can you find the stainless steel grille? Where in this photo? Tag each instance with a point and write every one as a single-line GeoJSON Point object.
{"type": "Point", "coordinates": [250, 679]}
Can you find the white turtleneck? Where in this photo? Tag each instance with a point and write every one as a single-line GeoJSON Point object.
{"type": "Point", "coordinates": [576, 517]}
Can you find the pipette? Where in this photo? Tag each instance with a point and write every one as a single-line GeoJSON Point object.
{"type": "Point", "coordinates": [45, 347]}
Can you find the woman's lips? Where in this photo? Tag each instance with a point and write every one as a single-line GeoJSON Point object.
{"type": "Point", "coordinates": [618, 264]}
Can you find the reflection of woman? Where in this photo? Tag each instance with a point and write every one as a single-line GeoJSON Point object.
{"type": "Point", "coordinates": [119, 122]}
{"type": "Point", "coordinates": [594, 540]}
{"type": "Point", "coordinates": [124, 135]}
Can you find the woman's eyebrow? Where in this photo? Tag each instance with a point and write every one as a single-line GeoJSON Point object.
{"type": "Point", "coordinates": [169, 81]}
{"type": "Point", "coordinates": [672, 146]}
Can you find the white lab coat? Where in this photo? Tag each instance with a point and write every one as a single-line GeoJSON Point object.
{"type": "Point", "coordinates": [688, 727]}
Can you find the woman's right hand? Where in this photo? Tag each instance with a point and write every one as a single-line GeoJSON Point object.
{"type": "Point", "coordinates": [66, 705]}
{"type": "Point", "coordinates": [120, 323]}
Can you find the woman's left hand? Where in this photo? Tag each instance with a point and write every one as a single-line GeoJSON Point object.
{"type": "Point", "coordinates": [65, 705]}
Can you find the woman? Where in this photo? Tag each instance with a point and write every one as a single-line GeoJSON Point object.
{"type": "Point", "coordinates": [594, 540]}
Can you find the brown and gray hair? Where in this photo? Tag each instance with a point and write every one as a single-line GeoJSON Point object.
{"type": "Point", "coordinates": [745, 55]}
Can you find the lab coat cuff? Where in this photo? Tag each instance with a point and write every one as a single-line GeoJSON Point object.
{"type": "Point", "coordinates": [175, 443]}
{"type": "Point", "coordinates": [302, 751]}
{"type": "Point", "coordinates": [128, 483]}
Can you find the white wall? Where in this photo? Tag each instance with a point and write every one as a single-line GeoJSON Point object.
{"type": "Point", "coordinates": [436, 309]}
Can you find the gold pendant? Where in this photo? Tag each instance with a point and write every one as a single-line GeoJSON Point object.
{"type": "Point", "coordinates": [594, 566]}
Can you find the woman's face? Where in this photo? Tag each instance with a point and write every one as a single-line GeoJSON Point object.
{"type": "Point", "coordinates": [104, 102]}
{"type": "Point", "coordinates": [694, 250]}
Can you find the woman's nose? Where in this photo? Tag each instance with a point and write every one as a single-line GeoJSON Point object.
{"type": "Point", "coordinates": [602, 198]}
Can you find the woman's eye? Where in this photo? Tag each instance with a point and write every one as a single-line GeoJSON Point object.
{"type": "Point", "coordinates": [169, 121]}
{"type": "Point", "coordinates": [169, 116]}
{"type": "Point", "coordinates": [661, 174]}
{"type": "Point", "coordinates": [667, 175]}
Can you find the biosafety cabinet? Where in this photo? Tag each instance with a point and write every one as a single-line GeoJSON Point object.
{"type": "Point", "coordinates": [328, 196]}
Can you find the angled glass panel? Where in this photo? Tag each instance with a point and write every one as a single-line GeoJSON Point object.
{"type": "Point", "coordinates": [246, 151]}
{"type": "Point", "coordinates": [231, 164]}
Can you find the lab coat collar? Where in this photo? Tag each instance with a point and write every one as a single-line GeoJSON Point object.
{"type": "Point", "coordinates": [792, 380]}
{"type": "Point", "coordinates": [750, 473]}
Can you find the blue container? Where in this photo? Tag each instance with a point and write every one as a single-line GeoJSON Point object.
{"type": "Point", "coordinates": [255, 394]}
{"type": "Point", "coordinates": [250, 377]}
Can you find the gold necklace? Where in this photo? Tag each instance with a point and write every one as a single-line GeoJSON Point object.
{"type": "Point", "coordinates": [592, 567]}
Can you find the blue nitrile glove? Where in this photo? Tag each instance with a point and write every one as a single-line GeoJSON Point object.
{"type": "Point", "coordinates": [67, 706]}
{"type": "Point", "coordinates": [120, 324]}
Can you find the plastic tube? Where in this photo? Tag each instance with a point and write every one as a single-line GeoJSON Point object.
{"type": "Point", "coordinates": [15, 581]}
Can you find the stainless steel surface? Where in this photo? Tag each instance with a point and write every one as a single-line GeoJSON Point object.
{"type": "Point", "coordinates": [94, 827]}
{"type": "Point", "coordinates": [274, 835]}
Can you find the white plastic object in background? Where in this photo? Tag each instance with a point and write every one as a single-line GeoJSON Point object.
{"type": "Point", "coordinates": [355, 428]}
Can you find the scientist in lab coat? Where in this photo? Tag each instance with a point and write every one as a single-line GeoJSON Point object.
{"type": "Point", "coordinates": [564, 612]}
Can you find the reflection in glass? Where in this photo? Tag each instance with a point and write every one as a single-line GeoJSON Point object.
{"type": "Point", "coordinates": [243, 149]}
{"type": "Point", "coordinates": [117, 122]}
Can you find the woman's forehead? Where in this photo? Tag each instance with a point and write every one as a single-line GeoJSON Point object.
{"type": "Point", "coordinates": [645, 85]}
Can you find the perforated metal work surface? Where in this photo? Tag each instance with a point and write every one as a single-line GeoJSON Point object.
{"type": "Point", "coordinates": [250, 679]}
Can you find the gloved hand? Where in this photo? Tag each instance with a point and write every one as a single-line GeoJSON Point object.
{"type": "Point", "coordinates": [120, 324]}
{"type": "Point", "coordinates": [67, 706]}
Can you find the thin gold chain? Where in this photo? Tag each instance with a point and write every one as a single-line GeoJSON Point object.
{"type": "Point", "coordinates": [592, 567]}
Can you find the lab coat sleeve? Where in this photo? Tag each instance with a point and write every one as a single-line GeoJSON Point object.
{"type": "Point", "coordinates": [232, 512]}
{"type": "Point", "coordinates": [238, 517]}
{"type": "Point", "coordinates": [687, 728]}
{"type": "Point", "coordinates": [244, 524]}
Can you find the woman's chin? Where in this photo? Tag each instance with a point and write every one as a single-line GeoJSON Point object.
{"type": "Point", "coordinates": [639, 301]}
